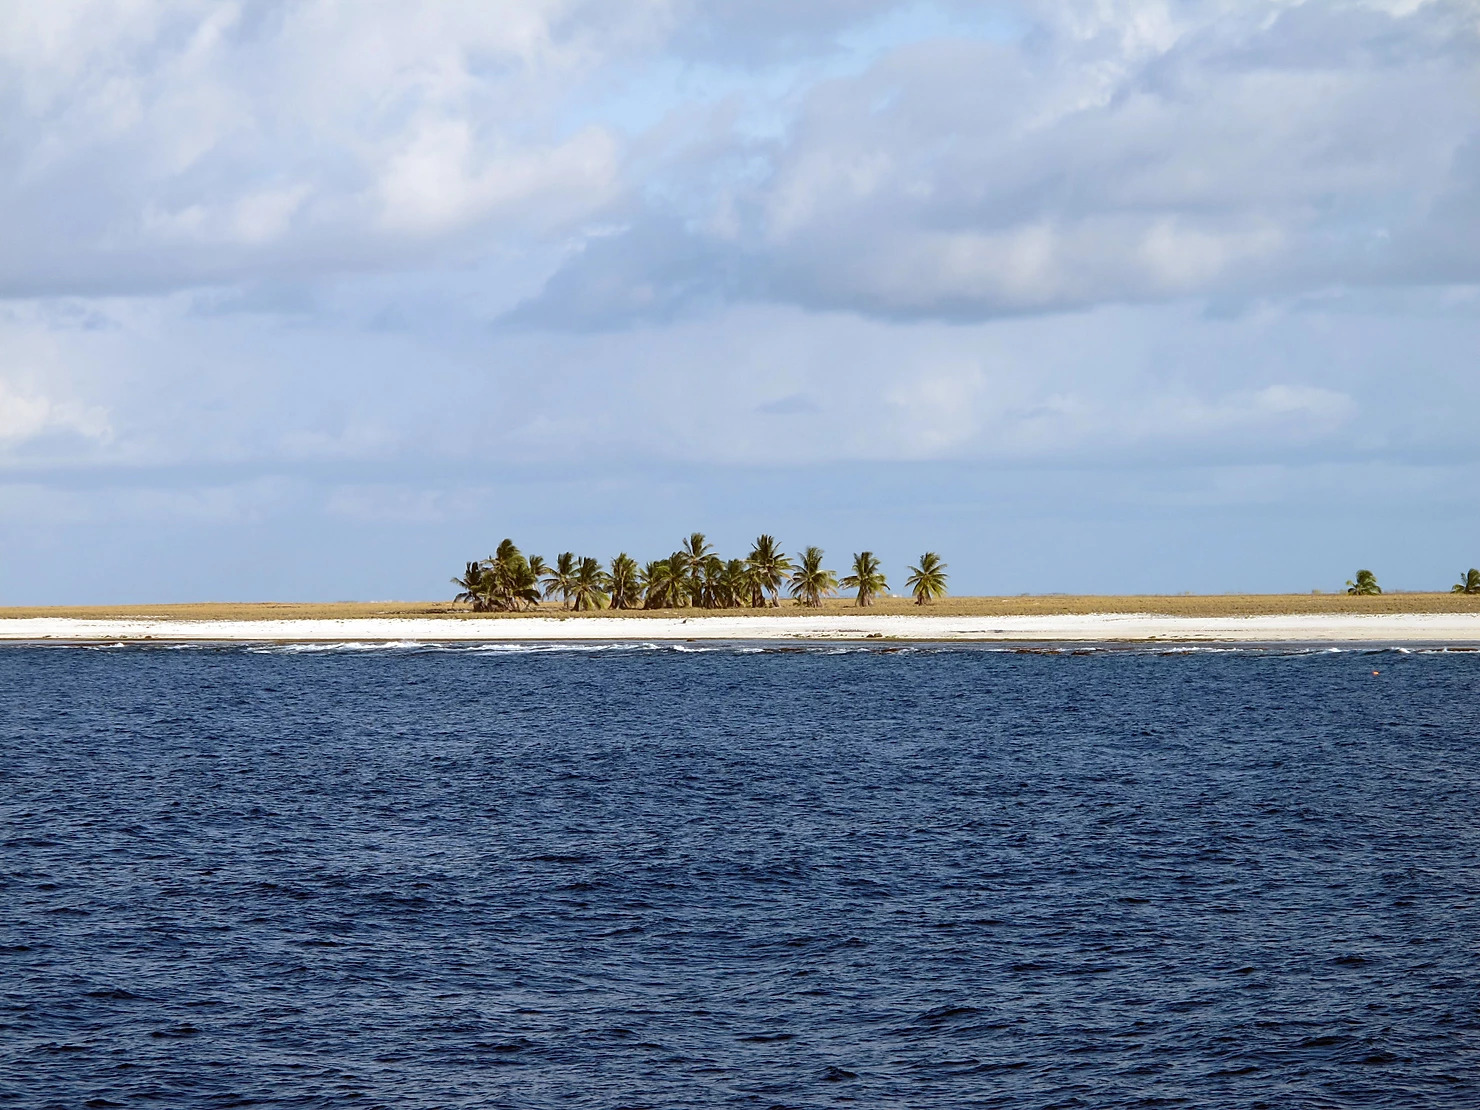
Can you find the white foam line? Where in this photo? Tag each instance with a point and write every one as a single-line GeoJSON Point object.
{"type": "Point", "coordinates": [1391, 629]}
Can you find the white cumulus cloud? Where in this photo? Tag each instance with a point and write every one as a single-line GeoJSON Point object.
{"type": "Point", "coordinates": [26, 415]}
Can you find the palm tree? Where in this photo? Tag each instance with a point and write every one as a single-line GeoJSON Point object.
{"type": "Point", "coordinates": [502, 582]}
{"type": "Point", "coordinates": [865, 578]}
{"type": "Point", "coordinates": [587, 585]}
{"type": "Point", "coordinates": [650, 579]}
{"type": "Point", "coordinates": [470, 586]}
{"type": "Point", "coordinates": [734, 586]}
{"type": "Point", "coordinates": [626, 591]}
{"type": "Point", "coordinates": [698, 551]}
{"type": "Point", "coordinates": [709, 572]}
{"type": "Point", "coordinates": [661, 589]}
{"type": "Point", "coordinates": [810, 583]}
{"type": "Point", "coordinates": [534, 571]}
{"type": "Point", "coordinates": [1366, 584]}
{"type": "Point", "coordinates": [769, 568]}
{"type": "Point", "coordinates": [561, 579]}
{"type": "Point", "coordinates": [695, 575]}
{"type": "Point", "coordinates": [680, 568]}
{"type": "Point", "coordinates": [928, 580]}
{"type": "Point", "coordinates": [509, 579]}
{"type": "Point", "coordinates": [1468, 583]}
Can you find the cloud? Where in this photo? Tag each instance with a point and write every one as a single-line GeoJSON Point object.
{"type": "Point", "coordinates": [284, 279]}
{"type": "Point", "coordinates": [782, 386]}
{"type": "Point", "coordinates": [1119, 153]}
{"type": "Point", "coordinates": [756, 32]}
{"type": "Point", "coordinates": [28, 416]}
{"type": "Point", "coordinates": [393, 503]}
{"type": "Point", "coordinates": [936, 413]}
{"type": "Point", "coordinates": [898, 160]}
{"type": "Point", "coordinates": [161, 145]}
{"type": "Point", "coordinates": [436, 182]}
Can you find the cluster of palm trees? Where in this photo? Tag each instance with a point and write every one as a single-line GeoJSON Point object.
{"type": "Point", "coordinates": [693, 576]}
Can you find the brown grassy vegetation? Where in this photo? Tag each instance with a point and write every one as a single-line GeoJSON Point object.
{"type": "Point", "coordinates": [1179, 605]}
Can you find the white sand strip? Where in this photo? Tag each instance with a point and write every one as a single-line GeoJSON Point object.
{"type": "Point", "coordinates": [1415, 628]}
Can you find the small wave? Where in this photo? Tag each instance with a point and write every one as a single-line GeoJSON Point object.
{"type": "Point", "coordinates": [500, 648]}
{"type": "Point", "coordinates": [470, 647]}
{"type": "Point", "coordinates": [352, 646]}
{"type": "Point", "coordinates": [542, 648]}
{"type": "Point", "coordinates": [1200, 649]}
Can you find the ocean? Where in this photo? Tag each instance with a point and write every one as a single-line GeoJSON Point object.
{"type": "Point", "coordinates": [737, 875]}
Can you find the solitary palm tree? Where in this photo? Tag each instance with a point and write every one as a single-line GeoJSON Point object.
{"type": "Point", "coordinates": [561, 579]}
{"type": "Point", "coordinates": [1366, 583]}
{"type": "Point", "coordinates": [809, 582]}
{"type": "Point", "coordinates": [865, 578]}
{"type": "Point", "coordinates": [769, 568]}
{"type": "Point", "coordinates": [928, 580]}
{"type": "Point", "coordinates": [1468, 583]}
{"type": "Point", "coordinates": [626, 592]}
{"type": "Point", "coordinates": [586, 588]}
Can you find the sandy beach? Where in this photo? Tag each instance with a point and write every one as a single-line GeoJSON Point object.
{"type": "Point", "coordinates": [1455, 629]}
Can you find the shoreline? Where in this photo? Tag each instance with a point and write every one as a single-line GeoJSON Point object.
{"type": "Point", "coordinates": [1200, 606]}
{"type": "Point", "coordinates": [1451, 629]}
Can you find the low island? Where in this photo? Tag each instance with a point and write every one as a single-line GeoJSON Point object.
{"type": "Point", "coordinates": [694, 594]}
{"type": "Point", "coordinates": [1410, 618]}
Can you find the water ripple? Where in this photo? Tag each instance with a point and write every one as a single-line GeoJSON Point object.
{"type": "Point", "coordinates": [420, 875]}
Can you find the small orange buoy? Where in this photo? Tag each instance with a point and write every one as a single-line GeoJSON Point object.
{"type": "Point", "coordinates": [1377, 672]}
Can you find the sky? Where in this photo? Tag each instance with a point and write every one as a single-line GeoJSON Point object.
{"type": "Point", "coordinates": [318, 300]}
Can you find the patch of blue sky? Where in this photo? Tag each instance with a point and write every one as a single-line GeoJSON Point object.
{"type": "Point", "coordinates": [870, 40]}
{"type": "Point", "coordinates": [638, 97]}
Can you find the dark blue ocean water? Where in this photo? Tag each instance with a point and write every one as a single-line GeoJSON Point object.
{"type": "Point", "coordinates": [487, 877]}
